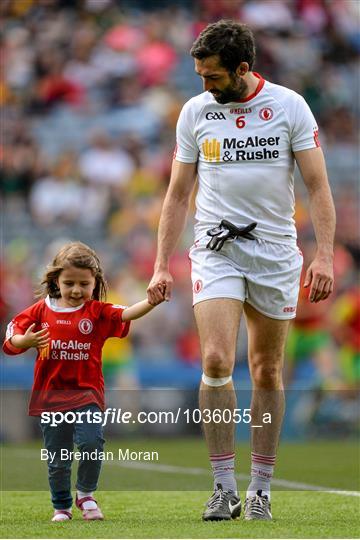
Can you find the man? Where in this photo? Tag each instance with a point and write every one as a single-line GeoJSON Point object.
{"type": "Point", "coordinates": [240, 137]}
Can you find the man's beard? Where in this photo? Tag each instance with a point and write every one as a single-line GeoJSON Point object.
{"type": "Point", "coordinates": [236, 90]}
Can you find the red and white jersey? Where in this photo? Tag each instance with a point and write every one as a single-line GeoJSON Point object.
{"type": "Point", "coordinates": [244, 152]}
{"type": "Point", "coordinates": [68, 371]}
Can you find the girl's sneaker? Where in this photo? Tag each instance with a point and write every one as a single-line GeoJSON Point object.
{"type": "Point", "coordinates": [62, 515]}
{"type": "Point", "coordinates": [89, 514]}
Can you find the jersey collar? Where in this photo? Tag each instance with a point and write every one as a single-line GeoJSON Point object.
{"type": "Point", "coordinates": [257, 91]}
{"type": "Point", "coordinates": [52, 304]}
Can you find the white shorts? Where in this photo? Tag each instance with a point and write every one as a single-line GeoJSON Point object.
{"type": "Point", "coordinates": [262, 273]}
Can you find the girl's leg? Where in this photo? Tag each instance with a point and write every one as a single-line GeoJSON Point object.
{"type": "Point", "coordinates": [57, 438]}
{"type": "Point", "coordinates": [89, 438]}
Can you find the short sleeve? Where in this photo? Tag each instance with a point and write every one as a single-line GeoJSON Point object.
{"type": "Point", "coordinates": [112, 323]}
{"type": "Point", "coordinates": [19, 325]}
{"type": "Point", "coordinates": [186, 149]}
{"type": "Point", "coordinates": [305, 131]}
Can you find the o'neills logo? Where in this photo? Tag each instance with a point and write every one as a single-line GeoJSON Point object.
{"type": "Point", "coordinates": [316, 136]}
{"type": "Point", "coordinates": [85, 326]}
{"type": "Point", "coordinates": [266, 113]}
{"type": "Point", "coordinates": [241, 110]}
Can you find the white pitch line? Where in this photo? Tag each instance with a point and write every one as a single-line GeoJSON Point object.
{"type": "Point", "coordinates": [200, 471]}
{"type": "Point", "coordinates": [196, 471]}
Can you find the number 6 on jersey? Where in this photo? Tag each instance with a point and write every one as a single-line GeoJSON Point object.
{"type": "Point", "coordinates": [240, 122]}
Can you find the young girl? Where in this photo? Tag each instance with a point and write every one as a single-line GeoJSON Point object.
{"type": "Point", "coordinates": [68, 327]}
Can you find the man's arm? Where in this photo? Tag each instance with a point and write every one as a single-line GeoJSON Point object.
{"type": "Point", "coordinates": [171, 225]}
{"type": "Point", "coordinates": [319, 275]}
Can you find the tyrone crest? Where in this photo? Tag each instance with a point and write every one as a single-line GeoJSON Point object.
{"type": "Point", "coordinates": [266, 113]}
{"type": "Point", "coordinates": [198, 285]}
{"type": "Point", "coordinates": [85, 326]}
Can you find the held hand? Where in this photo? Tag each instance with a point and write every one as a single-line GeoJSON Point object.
{"type": "Point", "coordinates": [160, 288]}
{"type": "Point", "coordinates": [33, 339]}
{"type": "Point", "coordinates": [320, 277]}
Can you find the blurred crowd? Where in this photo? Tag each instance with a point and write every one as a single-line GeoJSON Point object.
{"type": "Point", "coordinates": [90, 91]}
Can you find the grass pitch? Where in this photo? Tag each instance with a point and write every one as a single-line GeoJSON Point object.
{"type": "Point", "coordinates": [177, 515]}
{"type": "Point", "coordinates": [157, 511]}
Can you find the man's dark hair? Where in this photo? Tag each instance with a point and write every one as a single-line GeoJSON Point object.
{"type": "Point", "coordinates": [233, 42]}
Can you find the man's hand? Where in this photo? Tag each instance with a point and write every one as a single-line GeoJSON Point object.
{"type": "Point", "coordinates": [160, 287]}
{"type": "Point", "coordinates": [31, 339]}
{"type": "Point", "coordinates": [320, 278]}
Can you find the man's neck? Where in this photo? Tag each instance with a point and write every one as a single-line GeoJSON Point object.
{"type": "Point", "coordinates": [252, 82]}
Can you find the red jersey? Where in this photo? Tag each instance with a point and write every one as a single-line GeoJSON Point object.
{"type": "Point", "coordinates": [68, 371]}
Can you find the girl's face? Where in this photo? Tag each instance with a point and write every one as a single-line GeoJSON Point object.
{"type": "Point", "coordinates": [76, 286]}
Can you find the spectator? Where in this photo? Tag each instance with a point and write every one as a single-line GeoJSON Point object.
{"type": "Point", "coordinates": [105, 165]}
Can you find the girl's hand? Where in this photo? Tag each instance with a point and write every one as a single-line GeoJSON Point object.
{"type": "Point", "coordinates": [160, 287]}
{"type": "Point", "coordinates": [159, 299]}
{"type": "Point", "coordinates": [31, 339]}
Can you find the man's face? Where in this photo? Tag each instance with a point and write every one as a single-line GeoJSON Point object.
{"type": "Point", "coordinates": [223, 85]}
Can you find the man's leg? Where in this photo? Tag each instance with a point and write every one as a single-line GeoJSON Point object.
{"type": "Point", "coordinates": [218, 323]}
{"type": "Point", "coordinates": [267, 339]}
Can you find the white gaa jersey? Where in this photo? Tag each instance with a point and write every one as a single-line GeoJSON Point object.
{"type": "Point", "coordinates": [245, 158]}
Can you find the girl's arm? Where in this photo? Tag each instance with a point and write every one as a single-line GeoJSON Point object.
{"type": "Point", "coordinates": [30, 338]}
{"type": "Point", "coordinates": [136, 311]}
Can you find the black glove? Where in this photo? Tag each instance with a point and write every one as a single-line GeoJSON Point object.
{"type": "Point", "coordinates": [228, 231]}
